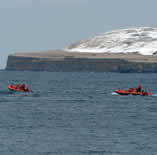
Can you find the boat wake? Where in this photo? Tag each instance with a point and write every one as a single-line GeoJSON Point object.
{"type": "Point", "coordinates": [113, 93]}
{"type": "Point", "coordinates": [155, 95]}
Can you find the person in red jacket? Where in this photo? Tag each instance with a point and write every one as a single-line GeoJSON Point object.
{"type": "Point", "coordinates": [139, 88]}
{"type": "Point", "coordinates": [24, 87]}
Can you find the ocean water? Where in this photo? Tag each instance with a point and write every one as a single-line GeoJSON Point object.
{"type": "Point", "coordinates": [77, 114]}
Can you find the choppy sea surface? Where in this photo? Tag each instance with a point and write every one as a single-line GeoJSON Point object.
{"type": "Point", "coordinates": [77, 114]}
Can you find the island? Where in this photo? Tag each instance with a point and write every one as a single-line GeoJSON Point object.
{"type": "Point", "coordinates": [125, 51]}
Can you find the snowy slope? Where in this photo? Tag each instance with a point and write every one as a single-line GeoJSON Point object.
{"type": "Point", "coordinates": [142, 40]}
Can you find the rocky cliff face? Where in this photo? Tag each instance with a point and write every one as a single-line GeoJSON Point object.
{"type": "Point", "coordinates": [79, 65]}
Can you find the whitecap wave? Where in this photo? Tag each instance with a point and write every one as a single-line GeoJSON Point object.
{"type": "Point", "coordinates": [142, 40]}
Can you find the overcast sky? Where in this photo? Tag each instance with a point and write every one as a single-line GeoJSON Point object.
{"type": "Point", "coordinates": [35, 25]}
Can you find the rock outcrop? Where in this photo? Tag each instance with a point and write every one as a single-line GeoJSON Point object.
{"type": "Point", "coordinates": [61, 61]}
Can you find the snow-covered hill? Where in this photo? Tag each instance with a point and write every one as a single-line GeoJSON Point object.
{"type": "Point", "coordinates": [142, 40]}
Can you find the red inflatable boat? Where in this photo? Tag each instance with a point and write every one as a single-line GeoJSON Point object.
{"type": "Point", "coordinates": [17, 88]}
{"type": "Point", "coordinates": [132, 91]}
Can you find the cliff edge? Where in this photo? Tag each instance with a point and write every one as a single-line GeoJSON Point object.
{"type": "Point", "coordinates": [62, 61]}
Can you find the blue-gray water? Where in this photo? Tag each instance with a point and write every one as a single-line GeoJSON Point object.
{"type": "Point", "coordinates": [77, 114]}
